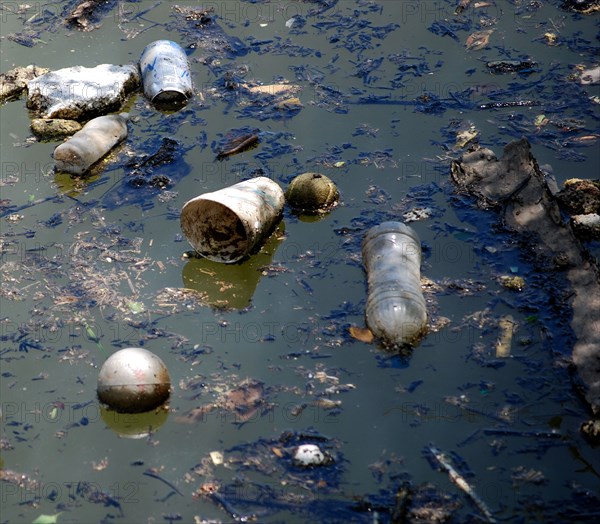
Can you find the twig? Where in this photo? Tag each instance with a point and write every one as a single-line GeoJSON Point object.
{"type": "Point", "coordinates": [459, 480]}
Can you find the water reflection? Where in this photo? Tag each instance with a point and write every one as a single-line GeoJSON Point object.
{"type": "Point", "coordinates": [134, 425]}
{"type": "Point", "coordinates": [231, 286]}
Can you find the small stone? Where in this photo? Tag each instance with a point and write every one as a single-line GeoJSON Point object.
{"type": "Point", "coordinates": [51, 128]}
{"type": "Point", "coordinates": [586, 227]}
{"type": "Point", "coordinates": [312, 193]}
{"type": "Point", "coordinates": [580, 197]}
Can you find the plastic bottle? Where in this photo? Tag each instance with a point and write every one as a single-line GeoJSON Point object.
{"type": "Point", "coordinates": [91, 143]}
{"type": "Point", "coordinates": [396, 312]}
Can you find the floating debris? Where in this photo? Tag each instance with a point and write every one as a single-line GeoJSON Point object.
{"type": "Point", "coordinates": [312, 193]}
{"type": "Point", "coordinates": [417, 213]}
{"type": "Point", "coordinates": [362, 334]}
{"type": "Point", "coordinates": [478, 40]}
{"type": "Point", "coordinates": [514, 283]}
{"type": "Point", "coordinates": [133, 380]}
{"type": "Point", "coordinates": [460, 481]}
{"type": "Point", "coordinates": [310, 455]}
{"type": "Point", "coordinates": [504, 342]}
{"type": "Point", "coordinates": [511, 66]}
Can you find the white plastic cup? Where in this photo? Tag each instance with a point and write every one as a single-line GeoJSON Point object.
{"type": "Point", "coordinates": [226, 225]}
{"type": "Point", "coordinates": [165, 73]}
{"type": "Point", "coordinates": [396, 312]}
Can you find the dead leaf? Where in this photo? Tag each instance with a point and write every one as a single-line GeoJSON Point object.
{"type": "Point", "coordinates": [478, 40]}
{"type": "Point", "coordinates": [216, 457]}
{"type": "Point", "coordinates": [102, 465]}
{"type": "Point", "coordinates": [362, 334]}
{"type": "Point", "coordinates": [271, 89]}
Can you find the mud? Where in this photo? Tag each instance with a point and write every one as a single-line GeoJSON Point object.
{"type": "Point", "coordinates": [515, 186]}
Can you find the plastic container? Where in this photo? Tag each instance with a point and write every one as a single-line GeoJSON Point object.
{"type": "Point", "coordinates": [396, 312]}
{"type": "Point", "coordinates": [133, 380]}
{"type": "Point", "coordinates": [226, 225]}
{"type": "Point", "coordinates": [165, 73]}
{"type": "Point", "coordinates": [91, 143]}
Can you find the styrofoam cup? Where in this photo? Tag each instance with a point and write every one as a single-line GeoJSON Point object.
{"type": "Point", "coordinates": [226, 225]}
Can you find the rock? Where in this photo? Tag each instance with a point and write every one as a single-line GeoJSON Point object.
{"type": "Point", "coordinates": [79, 93]}
{"type": "Point", "coordinates": [312, 193]}
{"type": "Point", "coordinates": [591, 431]}
{"type": "Point", "coordinates": [515, 186]}
{"type": "Point", "coordinates": [51, 128]}
{"type": "Point", "coordinates": [586, 227]}
{"type": "Point", "coordinates": [584, 7]}
{"type": "Point", "coordinates": [14, 82]}
{"type": "Point", "coordinates": [580, 197]}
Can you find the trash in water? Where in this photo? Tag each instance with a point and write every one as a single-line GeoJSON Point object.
{"type": "Point", "coordinates": [396, 311]}
{"type": "Point", "coordinates": [478, 40]}
{"type": "Point", "coordinates": [165, 73]}
{"type": "Point", "coordinates": [226, 225]}
{"type": "Point", "coordinates": [507, 326]}
{"type": "Point", "coordinates": [91, 143]}
{"type": "Point", "coordinates": [312, 193]}
{"type": "Point", "coordinates": [133, 380]}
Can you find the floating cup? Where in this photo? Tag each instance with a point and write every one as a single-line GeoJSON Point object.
{"type": "Point", "coordinates": [165, 73]}
{"type": "Point", "coordinates": [228, 224]}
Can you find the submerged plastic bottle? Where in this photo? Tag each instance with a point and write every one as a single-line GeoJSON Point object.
{"type": "Point", "coordinates": [396, 312]}
{"type": "Point", "coordinates": [91, 143]}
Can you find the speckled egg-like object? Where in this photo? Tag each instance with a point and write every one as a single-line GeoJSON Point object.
{"type": "Point", "coordinates": [308, 455]}
{"type": "Point", "coordinates": [312, 193]}
{"type": "Point", "coordinates": [133, 380]}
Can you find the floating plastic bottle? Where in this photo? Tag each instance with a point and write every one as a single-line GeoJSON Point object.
{"type": "Point", "coordinates": [396, 312]}
{"type": "Point", "coordinates": [166, 73]}
{"type": "Point", "coordinates": [91, 143]}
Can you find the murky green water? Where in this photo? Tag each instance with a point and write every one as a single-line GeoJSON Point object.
{"type": "Point", "coordinates": [80, 268]}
